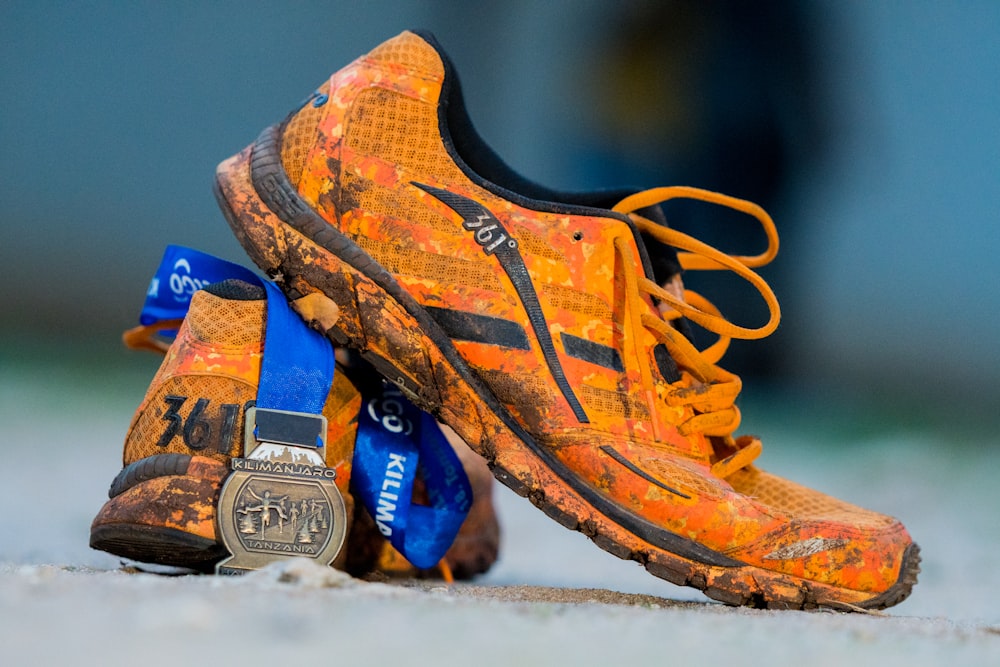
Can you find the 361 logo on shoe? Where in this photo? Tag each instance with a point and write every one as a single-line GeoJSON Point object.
{"type": "Point", "coordinates": [201, 428]}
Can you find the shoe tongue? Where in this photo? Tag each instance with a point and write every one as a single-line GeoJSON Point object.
{"type": "Point", "coordinates": [663, 260]}
{"type": "Point", "coordinates": [658, 260]}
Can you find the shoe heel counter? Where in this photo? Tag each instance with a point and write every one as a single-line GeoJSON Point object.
{"type": "Point", "coordinates": [191, 414]}
{"type": "Point", "coordinates": [197, 400]}
{"type": "Point", "coordinates": [407, 52]}
{"type": "Point", "coordinates": [299, 133]}
{"type": "Point", "coordinates": [312, 137]}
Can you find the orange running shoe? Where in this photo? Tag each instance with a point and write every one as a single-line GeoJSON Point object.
{"type": "Point", "coordinates": [527, 320]}
{"type": "Point", "coordinates": [163, 504]}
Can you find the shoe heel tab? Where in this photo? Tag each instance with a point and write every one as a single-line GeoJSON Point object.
{"type": "Point", "coordinates": [236, 290]}
{"type": "Point", "coordinates": [417, 51]}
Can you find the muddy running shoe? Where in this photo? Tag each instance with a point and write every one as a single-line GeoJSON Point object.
{"type": "Point", "coordinates": [529, 322]}
{"type": "Point", "coordinates": [163, 504]}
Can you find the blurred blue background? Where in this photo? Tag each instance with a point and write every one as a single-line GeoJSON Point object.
{"type": "Point", "coordinates": [870, 130]}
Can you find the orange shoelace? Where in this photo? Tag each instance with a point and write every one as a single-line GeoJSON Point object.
{"type": "Point", "coordinates": [145, 337]}
{"type": "Point", "coordinates": [712, 397]}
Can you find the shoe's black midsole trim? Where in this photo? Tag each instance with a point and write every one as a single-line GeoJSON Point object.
{"type": "Point", "coordinates": [276, 191]}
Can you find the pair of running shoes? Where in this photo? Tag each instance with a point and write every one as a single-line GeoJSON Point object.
{"type": "Point", "coordinates": [530, 323]}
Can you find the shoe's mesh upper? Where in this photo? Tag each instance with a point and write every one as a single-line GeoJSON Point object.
{"type": "Point", "coordinates": [300, 136]}
{"type": "Point", "coordinates": [213, 324]}
{"type": "Point", "coordinates": [224, 334]}
{"type": "Point", "coordinates": [576, 301]}
{"type": "Point", "coordinates": [512, 388]}
{"type": "Point", "coordinates": [151, 420]}
{"type": "Point", "coordinates": [614, 403]}
{"type": "Point", "coordinates": [682, 475]}
{"type": "Point", "coordinates": [799, 501]}
{"type": "Point", "coordinates": [399, 205]}
{"type": "Point", "coordinates": [534, 245]}
{"type": "Point", "coordinates": [405, 132]}
{"type": "Point", "coordinates": [444, 269]}
{"type": "Point", "coordinates": [401, 129]}
{"type": "Point", "coordinates": [230, 324]}
{"type": "Point", "coordinates": [410, 51]}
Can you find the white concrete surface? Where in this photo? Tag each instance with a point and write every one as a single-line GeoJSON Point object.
{"type": "Point", "coordinates": [59, 600]}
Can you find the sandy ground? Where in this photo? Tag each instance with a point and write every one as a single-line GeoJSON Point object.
{"type": "Point", "coordinates": [553, 598]}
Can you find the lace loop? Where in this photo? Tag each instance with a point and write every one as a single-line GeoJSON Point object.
{"type": "Point", "coordinates": [144, 337]}
{"type": "Point", "coordinates": [739, 459]}
{"type": "Point", "coordinates": [718, 261]}
{"type": "Point", "coordinates": [710, 391]}
{"type": "Point", "coordinates": [698, 261]}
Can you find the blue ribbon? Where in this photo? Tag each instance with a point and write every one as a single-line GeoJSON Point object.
{"type": "Point", "coordinates": [181, 273]}
{"type": "Point", "coordinates": [395, 441]}
{"type": "Point", "coordinates": [297, 365]}
{"type": "Point", "coordinates": [296, 369]}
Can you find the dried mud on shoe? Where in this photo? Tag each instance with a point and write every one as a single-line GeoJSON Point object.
{"type": "Point", "coordinates": [530, 322]}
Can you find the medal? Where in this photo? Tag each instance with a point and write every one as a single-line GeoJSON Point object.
{"type": "Point", "coordinates": [280, 500]}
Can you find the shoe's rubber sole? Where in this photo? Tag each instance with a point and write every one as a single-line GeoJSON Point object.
{"type": "Point", "coordinates": [162, 510]}
{"type": "Point", "coordinates": [156, 544]}
{"type": "Point", "coordinates": [305, 255]}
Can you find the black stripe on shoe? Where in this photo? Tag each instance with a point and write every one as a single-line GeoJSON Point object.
{"type": "Point", "coordinates": [462, 325]}
{"type": "Point", "coordinates": [591, 352]}
{"type": "Point", "coordinates": [495, 240]}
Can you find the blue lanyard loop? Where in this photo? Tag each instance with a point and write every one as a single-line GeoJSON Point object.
{"type": "Point", "coordinates": [395, 441]}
